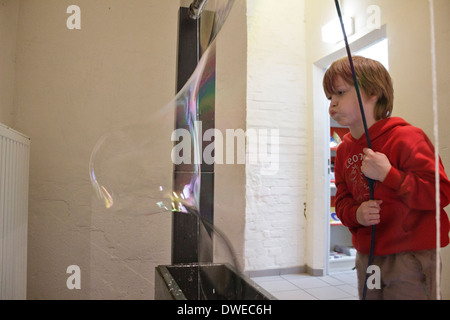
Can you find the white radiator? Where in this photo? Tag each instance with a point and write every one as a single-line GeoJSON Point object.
{"type": "Point", "coordinates": [14, 172]}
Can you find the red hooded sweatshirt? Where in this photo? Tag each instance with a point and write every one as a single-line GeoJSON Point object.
{"type": "Point", "coordinates": [408, 212]}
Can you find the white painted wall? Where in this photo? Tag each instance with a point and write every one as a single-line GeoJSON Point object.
{"type": "Point", "coordinates": [9, 17]}
{"type": "Point", "coordinates": [71, 86]}
{"type": "Point", "coordinates": [276, 86]}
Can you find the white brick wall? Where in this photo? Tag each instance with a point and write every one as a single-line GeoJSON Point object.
{"type": "Point", "coordinates": [276, 98]}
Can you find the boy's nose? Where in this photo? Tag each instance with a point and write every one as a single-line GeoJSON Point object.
{"type": "Point", "coordinates": [333, 102]}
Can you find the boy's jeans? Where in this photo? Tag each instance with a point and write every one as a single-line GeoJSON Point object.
{"type": "Point", "coordinates": [403, 276]}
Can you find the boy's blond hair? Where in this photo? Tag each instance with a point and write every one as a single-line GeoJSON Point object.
{"type": "Point", "coordinates": [373, 79]}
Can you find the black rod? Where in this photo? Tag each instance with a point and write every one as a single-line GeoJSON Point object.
{"type": "Point", "coordinates": [366, 131]}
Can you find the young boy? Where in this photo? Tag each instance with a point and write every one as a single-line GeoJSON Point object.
{"type": "Point", "coordinates": [402, 164]}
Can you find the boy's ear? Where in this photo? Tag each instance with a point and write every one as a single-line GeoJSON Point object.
{"type": "Point", "coordinates": [374, 98]}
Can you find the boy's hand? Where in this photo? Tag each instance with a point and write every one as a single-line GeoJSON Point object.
{"type": "Point", "coordinates": [375, 165]}
{"type": "Point", "coordinates": [368, 213]}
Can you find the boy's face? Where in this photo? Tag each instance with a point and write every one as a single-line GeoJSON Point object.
{"type": "Point", "coordinates": [344, 106]}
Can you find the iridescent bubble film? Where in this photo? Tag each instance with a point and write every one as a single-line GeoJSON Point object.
{"type": "Point", "coordinates": [131, 168]}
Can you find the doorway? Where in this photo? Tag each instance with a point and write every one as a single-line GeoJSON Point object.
{"type": "Point", "coordinates": [339, 255]}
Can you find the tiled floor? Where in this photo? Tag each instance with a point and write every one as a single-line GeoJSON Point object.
{"type": "Point", "coordinates": [336, 286]}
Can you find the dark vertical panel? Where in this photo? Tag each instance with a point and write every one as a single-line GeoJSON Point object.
{"type": "Point", "coordinates": [191, 242]}
{"type": "Point", "coordinates": [187, 47]}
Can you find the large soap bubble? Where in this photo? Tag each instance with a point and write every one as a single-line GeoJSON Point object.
{"type": "Point", "coordinates": [131, 168]}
